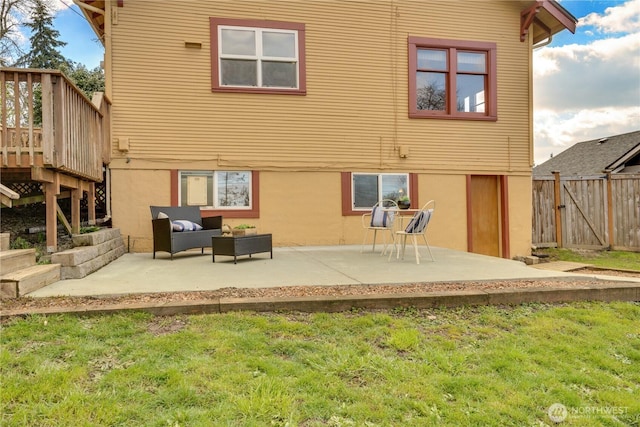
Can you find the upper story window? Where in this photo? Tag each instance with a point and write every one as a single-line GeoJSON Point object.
{"type": "Point", "coordinates": [452, 79]}
{"type": "Point", "coordinates": [258, 56]}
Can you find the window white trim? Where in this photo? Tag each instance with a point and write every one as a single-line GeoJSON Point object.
{"type": "Point", "coordinates": [380, 188]}
{"type": "Point", "coordinates": [212, 190]}
{"type": "Point", "coordinates": [259, 56]}
{"type": "Point", "coordinates": [262, 27]}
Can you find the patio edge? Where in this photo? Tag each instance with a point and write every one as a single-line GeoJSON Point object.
{"type": "Point", "coordinates": [605, 293]}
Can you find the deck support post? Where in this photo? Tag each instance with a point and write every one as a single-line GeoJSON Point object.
{"type": "Point", "coordinates": [91, 198]}
{"type": "Point", "coordinates": [76, 196]}
{"type": "Point", "coordinates": [51, 191]}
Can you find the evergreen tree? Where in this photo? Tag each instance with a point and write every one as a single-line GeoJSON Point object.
{"type": "Point", "coordinates": [44, 40]}
{"type": "Point", "coordinates": [88, 81]}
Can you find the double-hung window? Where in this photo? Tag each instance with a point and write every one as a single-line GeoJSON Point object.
{"type": "Point", "coordinates": [370, 188]}
{"type": "Point", "coordinates": [216, 189]}
{"type": "Point", "coordinates": [257, 56]}
{"type": "Point", "coordinates": [452, 79]}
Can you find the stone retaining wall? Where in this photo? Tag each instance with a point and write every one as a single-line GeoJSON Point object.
{"type": "Point", "coordinates": [92, 251]}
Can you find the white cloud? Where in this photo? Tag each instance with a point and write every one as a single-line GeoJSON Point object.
{"type": "Point", "coordinates": [618, 19]}
{"type": "Point", "coordinates": [556, 131]}
{"type": "Point", "coordinates": [589, 91]}
{"type": "Point", "coordinates": [58, 5]}
{"type": "Point", "coordinates": [602, 73]}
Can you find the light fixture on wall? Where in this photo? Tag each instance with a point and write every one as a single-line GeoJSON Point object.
{"type": "Point", "coordinates": [403, 151]}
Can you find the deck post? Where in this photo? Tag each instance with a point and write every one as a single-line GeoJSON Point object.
{"type": "Point", "coordinates": [51, 191]}
{"type": "Point", "coordinates": [76, 196]}
{"type": "Point", "coordinates": [91, 200]}
{"type": "Point", "coordinates": [47, 120]}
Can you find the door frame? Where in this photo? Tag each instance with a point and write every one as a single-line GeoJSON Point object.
{"type": "Point", "coordinates": [503, 218]}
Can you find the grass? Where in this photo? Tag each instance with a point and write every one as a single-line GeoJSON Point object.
{"type": "Point", "coordinates": [481, 366]}
{"type": "Point", "coordinates": [606, 259]}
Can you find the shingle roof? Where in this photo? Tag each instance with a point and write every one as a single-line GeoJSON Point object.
{"type": "Point", "coordinates": [590, 157]}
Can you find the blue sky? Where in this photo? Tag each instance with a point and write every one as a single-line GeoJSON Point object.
{"type": "Point", "coordinates": [586, 86]}
{"type": "Point", "coordinates": [82, 44]}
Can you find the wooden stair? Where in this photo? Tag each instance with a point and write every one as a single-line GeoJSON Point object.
{"type": "Point", "coordinates": [19, 273]}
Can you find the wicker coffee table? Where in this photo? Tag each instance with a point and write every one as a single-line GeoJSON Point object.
{"type": "Point", "coordinates": [240, 245]}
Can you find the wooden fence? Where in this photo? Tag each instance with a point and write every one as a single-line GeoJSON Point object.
{"type": "Point", "coordinates": [595, 212]}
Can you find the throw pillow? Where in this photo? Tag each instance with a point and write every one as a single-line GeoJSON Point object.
{"type": "Point", "coordinates": [162, 215]}
{"type": "Point", "coordinates": [379, 217]}
{"type": "Point", "coordinates": [416, 225]}
{"type": "Point", "coordinates": [184, 225]}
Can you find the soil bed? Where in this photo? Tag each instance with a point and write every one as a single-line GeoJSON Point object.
{"type": "Point", "coordinates": [26, 226]}
{"type": "Point", "coordinates": [26, 303]}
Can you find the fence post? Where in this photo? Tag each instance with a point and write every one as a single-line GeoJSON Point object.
{"type": "Point", "coordinates": [610, 210]}
{"type": "Point", "coordinates": [558, 206]}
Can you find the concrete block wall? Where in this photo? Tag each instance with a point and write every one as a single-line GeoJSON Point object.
{"type": "Point", "coordinates": [92, 251]}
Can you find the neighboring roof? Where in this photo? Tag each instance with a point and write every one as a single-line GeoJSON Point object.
{"type": "Point", "coordinates": [593, 157]}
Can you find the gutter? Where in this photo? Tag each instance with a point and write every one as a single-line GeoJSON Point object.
{"type": "Point", "coordinates": [544, 43]}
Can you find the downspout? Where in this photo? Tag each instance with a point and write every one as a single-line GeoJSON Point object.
{"type": "Point", "coordinates": [544, 43]}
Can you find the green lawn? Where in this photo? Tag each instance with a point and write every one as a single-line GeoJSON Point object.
{"type": "Point", "coordinates": [605, 259]}
{"type": "Point", "coordinates": [481, 366]}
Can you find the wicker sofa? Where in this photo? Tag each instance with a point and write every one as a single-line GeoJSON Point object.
{"type": "Point", "coordinates": [166, 221]}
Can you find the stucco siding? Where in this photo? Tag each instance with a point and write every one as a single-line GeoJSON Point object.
{"type": "Point", "coordinates": [303, 208]}
{"type": "Point", "coordinates": [520, 190]}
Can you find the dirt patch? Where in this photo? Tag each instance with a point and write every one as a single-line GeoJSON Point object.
{"type": "Point", "coordinates": [24, 304]}
{"type": "Point", "coordinates": [26, 228]}
{"type": "Point", "coordinates": [164, 326]}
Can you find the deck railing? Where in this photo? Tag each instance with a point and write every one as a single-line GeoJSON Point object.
{"type": "Point", "coordinates": [73, 136]}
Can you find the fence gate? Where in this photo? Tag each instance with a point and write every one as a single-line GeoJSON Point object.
{"type": "Point", "coordinates": [583, 212]}
{"type": "Point", "coordinates": [587, 212]}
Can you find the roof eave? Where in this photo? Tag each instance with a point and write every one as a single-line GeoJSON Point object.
{"type": "Point", "coordinates": [93, 11]}
{"type": "Point", "coordinates": [623, 159]}
{"type": "Point", "coordinates": [545, 18]}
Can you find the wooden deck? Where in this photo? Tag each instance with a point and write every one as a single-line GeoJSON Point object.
{"type": "Point", "coordinates": [52, 134]}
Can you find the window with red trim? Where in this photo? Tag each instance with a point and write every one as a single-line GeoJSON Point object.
{"type": "Point", "coordinates": [361, 190]}
{"type": "Point", "coordinates": [233, 194]}
{"type": "Point", "coordinates": [452, 79]}
{"type": "Point", "coordinates": [257, 56]}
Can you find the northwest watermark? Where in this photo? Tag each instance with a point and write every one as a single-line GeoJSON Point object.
{"type": "Point", "coordinates": [558, 412]}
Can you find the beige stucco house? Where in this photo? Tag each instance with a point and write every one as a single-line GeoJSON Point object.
{"type": "Point", "coordinates": [298, 116]}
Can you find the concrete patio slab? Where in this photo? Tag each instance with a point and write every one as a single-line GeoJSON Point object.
{"type": "Point", "coordinates": [292, 266]}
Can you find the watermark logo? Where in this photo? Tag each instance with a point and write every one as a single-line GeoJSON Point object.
{"type": "Point", "coordinates": [557, 412]}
